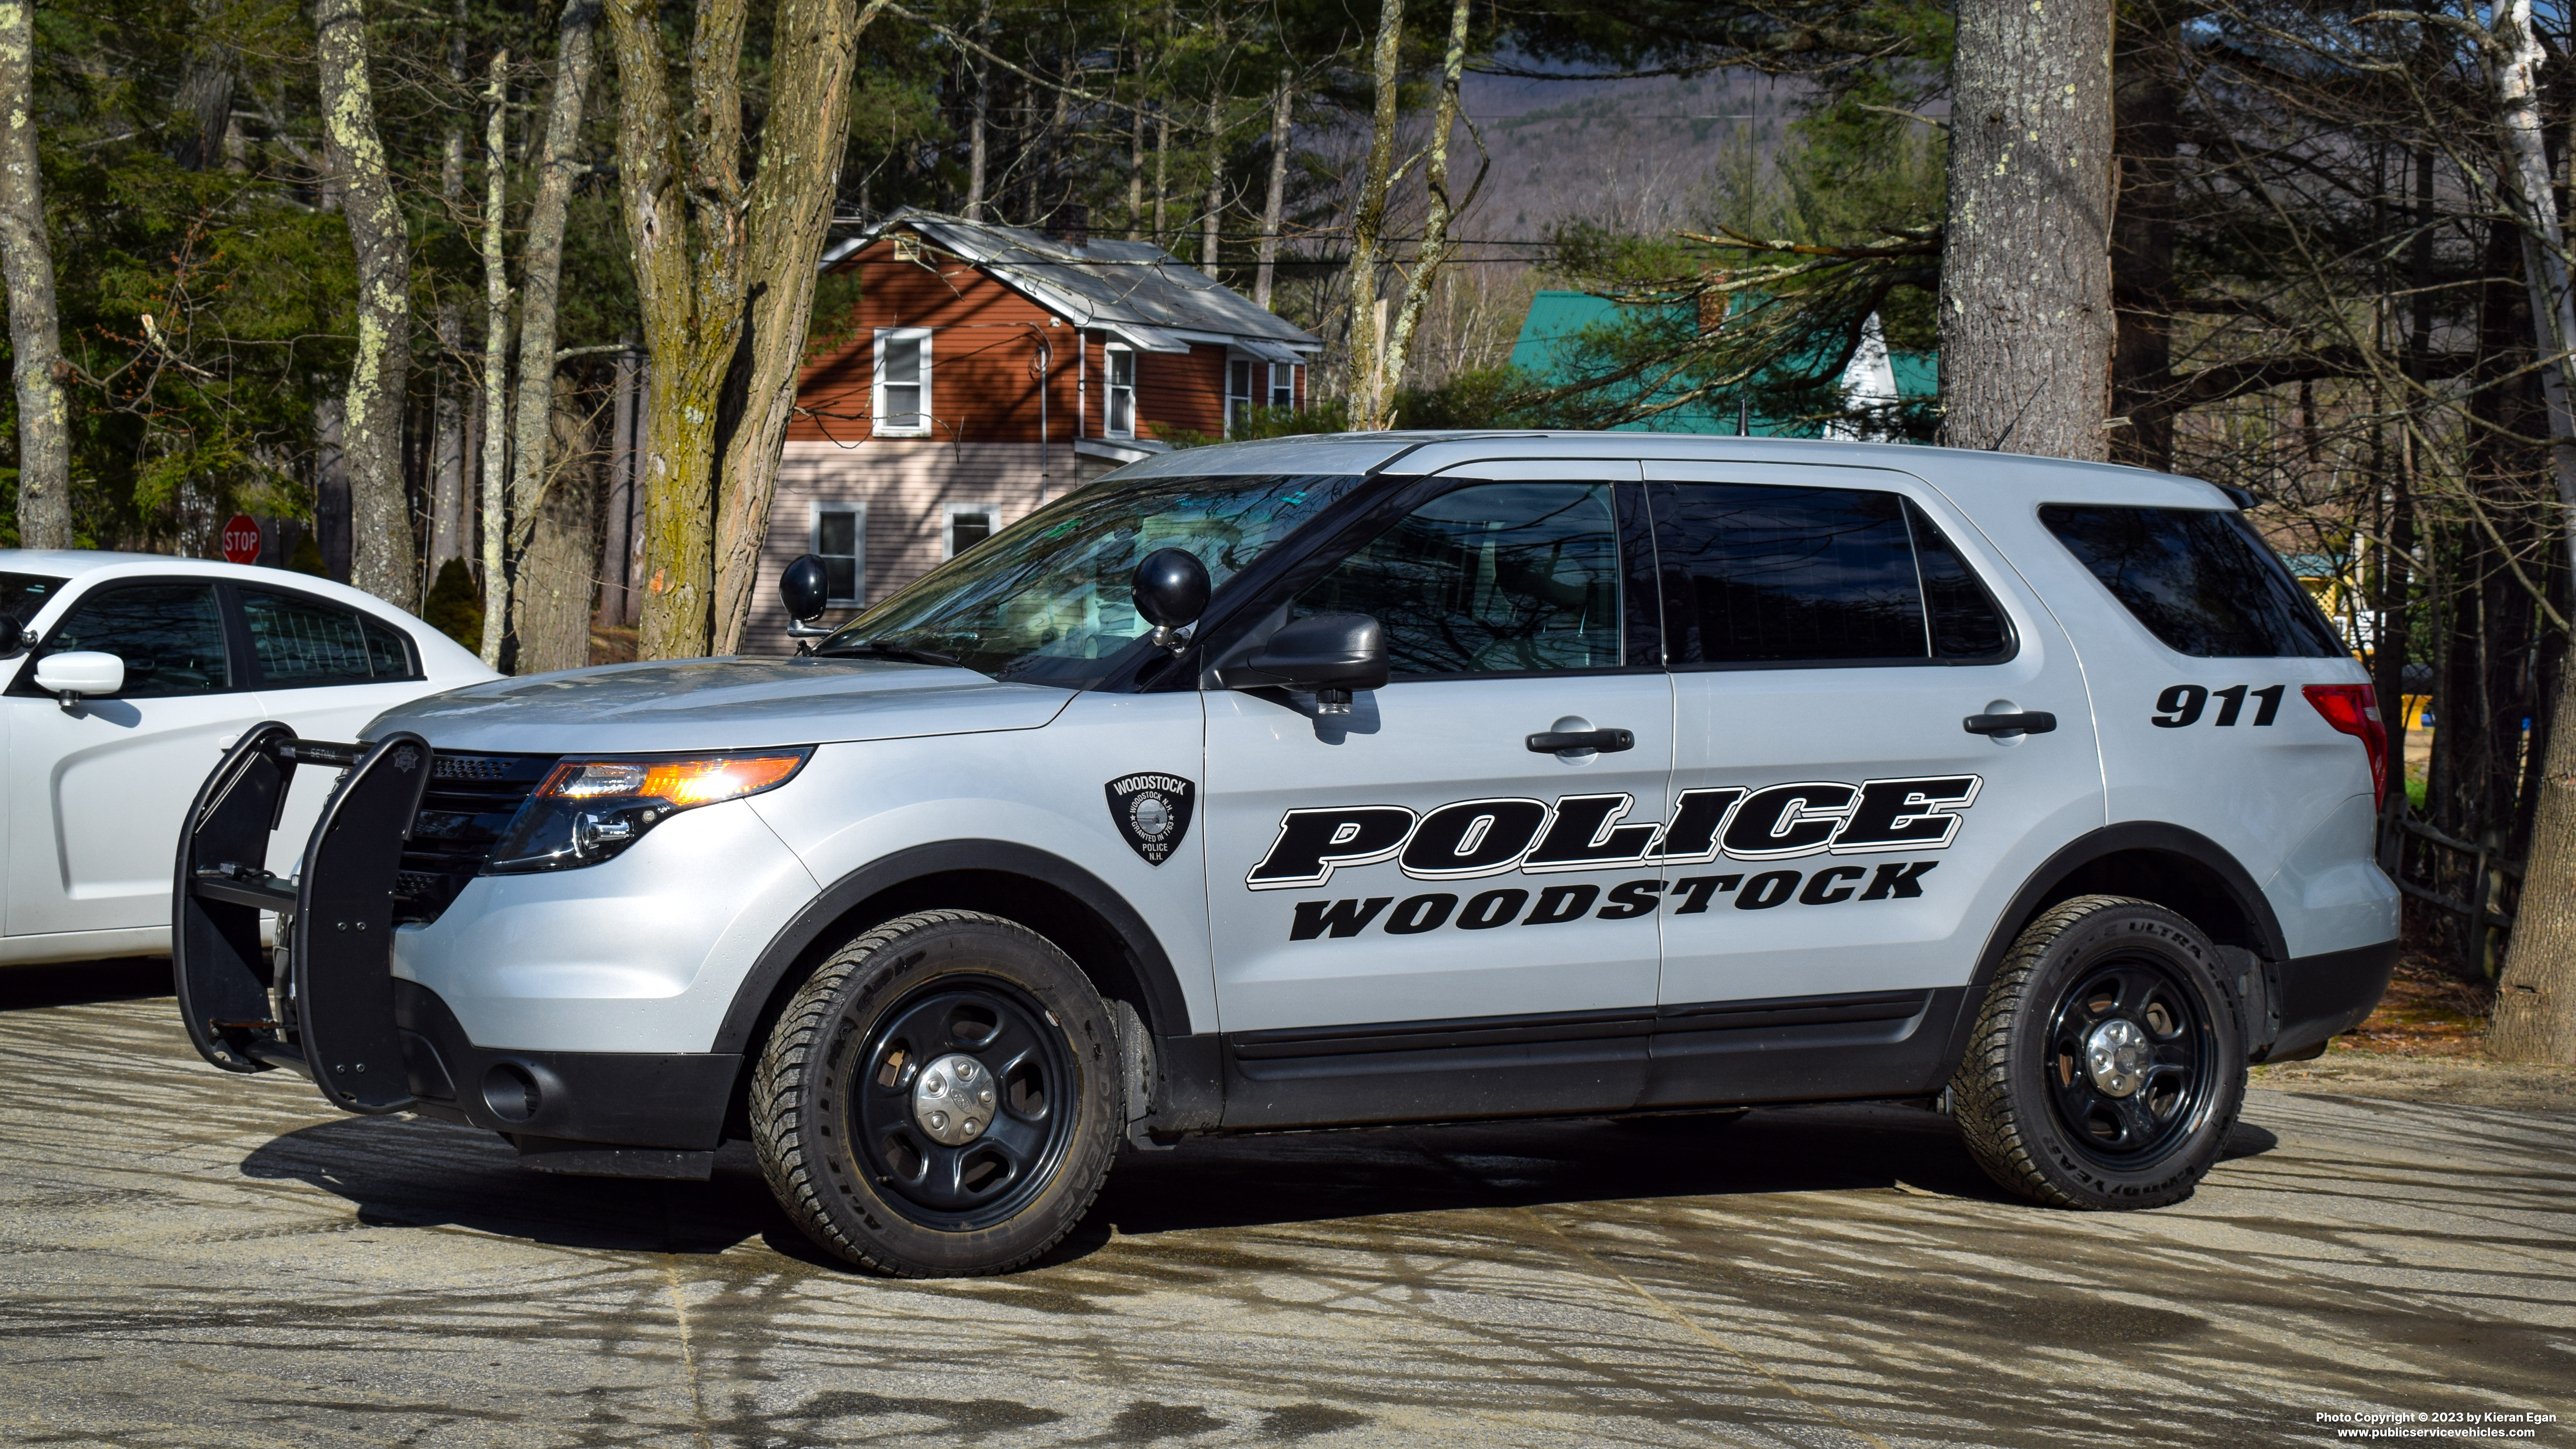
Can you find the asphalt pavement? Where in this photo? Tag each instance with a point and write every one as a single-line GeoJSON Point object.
{"type": "Point", "coordinates": [191, 1258]}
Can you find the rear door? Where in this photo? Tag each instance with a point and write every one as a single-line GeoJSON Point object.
{"type": "Point", "coordinates": [1842, 843]}
{"type": "Point", "coordinates": [1413, 912]}
{"type": "Point", "coordinates": [96, 792]}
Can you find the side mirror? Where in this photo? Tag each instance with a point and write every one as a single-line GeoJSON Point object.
{"type": "Point", "coordinates": [805, 588]}
{"type": "Point", "coordinates": [1331, 654]}
{"type": "Point", "coordinates": [70, 677]}
{"type": "Point", "coordinates": [1171, 593]}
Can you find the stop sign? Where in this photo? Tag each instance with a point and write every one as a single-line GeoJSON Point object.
{"type": "Point", "coordinates": [241, 539]}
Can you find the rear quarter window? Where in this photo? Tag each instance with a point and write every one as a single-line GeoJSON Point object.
{"type": "Point", "coordinates": [2201, 580]}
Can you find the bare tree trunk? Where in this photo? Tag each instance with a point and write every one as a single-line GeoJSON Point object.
{"type": "Point", "coordinates": [791, 210]}
{"type": "Point", "coordinates": [383, 561]}
{"type": "Point", "coordinates": [1211, 222]}
{"type": "Point", "coordinates": [1274, 207]}
{"type": "Point", "coordinates": [2147, 132]}
{"type": "Point", "coordinates": [639, 446]}
{"type": "Point", "coordinates": [682, 195]}
{"type": "Point", "coordinates": [621, 495]}
{"type": "Point", "coordinates": [1136, 170]}
{"type": "Point", "coordinates": [447, 446]}
{"type": "Point", "coordinates": [723, 277]}
{"type": "Point", "coordinates": [1443, 211]}
{"type": "Point", "coordinates": [2025, 271]}
{"type": "Point", "coordinates": [496, 366]}
{"type": "Point", "coordinates": [1162, 174]}
{"type": "Point", "coordinates": [978, 121]}
{"type": "Point", "coordinates": [35, 334]}
{"type": "Point", "coordinates": [553, 593]}
{"type": "Point", "coordinates": [1369, 401]}
{"type": "Point", "coordinates": [540, 275]}
{"type": "Point", "coordinates": [2535, 1010]}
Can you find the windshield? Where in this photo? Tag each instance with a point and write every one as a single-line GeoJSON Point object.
{"type": "Point", "coordinates": [1049, 600]}
{"type": "Point", "coordinates": [21, 595]}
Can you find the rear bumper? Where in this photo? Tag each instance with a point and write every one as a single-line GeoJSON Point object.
{"type": "Point", "coordinates": [2325, 995]}
{"type": "Point", "coordinates": [553, 1100]}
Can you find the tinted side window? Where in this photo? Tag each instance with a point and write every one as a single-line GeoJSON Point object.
{"type": "Point", "coordinates": [2199, 579]}
{"type": "Point", "coordinates": [1493, 578]}
{"type": "Point", "coordinates": [1966, 624]}
{"type": "Point", "coordinates": [1755, 574]}
{"type": "Point", "coordinates": [171, 637]}
{"type": "Point", "coordinates": [302, 642]}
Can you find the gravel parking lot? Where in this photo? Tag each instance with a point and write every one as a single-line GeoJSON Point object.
{"type": "Point", "coordinates": [188, 1258]}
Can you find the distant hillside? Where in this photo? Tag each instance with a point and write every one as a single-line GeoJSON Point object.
{"type": "Point", "coordinates": [1639, 154]}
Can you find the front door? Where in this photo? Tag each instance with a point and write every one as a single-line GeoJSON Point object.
{"type": "Point", "coordinates": [1843, 841]}
{"type": "Point", "coordinates": [1420, 909]}
{"type": "Point", "coordinates": [96, 792]}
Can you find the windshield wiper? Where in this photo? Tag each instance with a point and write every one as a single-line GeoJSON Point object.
{"type": "Point", "coordinates": [884, 650]}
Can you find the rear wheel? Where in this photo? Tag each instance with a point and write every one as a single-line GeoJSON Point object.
{"type": "Point", "coordinates": [2106, 1069]}
{"type": "Point", "coordinates": [936, 1099]}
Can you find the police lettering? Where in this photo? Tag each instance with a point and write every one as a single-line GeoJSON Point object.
{"type": "Point", "coordinates": [1470, 838]}
{"type": "Point", "coordinates": [1557, 905]}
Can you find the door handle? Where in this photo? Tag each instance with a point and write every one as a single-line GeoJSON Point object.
{"type": "Point", "coordinates": [1608, 742]}
{"type": "Point", "coordinates": [2028, 722]}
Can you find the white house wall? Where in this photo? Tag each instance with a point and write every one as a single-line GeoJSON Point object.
{"type": "Point", "coordinates": [905, 485]}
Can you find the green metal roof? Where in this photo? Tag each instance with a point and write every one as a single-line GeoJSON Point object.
{"type": "Point", "coordinates": [1550, 347]}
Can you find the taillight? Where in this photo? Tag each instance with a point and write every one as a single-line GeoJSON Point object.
{"type": "Point", "coordinates": [2354, 709]}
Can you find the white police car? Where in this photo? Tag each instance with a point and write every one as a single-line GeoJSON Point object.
{"type": "Point", "coordinates": [125, 676]}
{"type": "Point", "coordinates": [1386, 778]}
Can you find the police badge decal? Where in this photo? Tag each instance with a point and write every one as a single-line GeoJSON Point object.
{"type": "Point", "coordinates": [1152, 811]}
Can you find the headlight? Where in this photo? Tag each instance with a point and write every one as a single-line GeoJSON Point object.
{"type": "Point", "coordinates": [589, 810]}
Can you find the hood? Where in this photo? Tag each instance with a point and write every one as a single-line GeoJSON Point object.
{"type": "Point", "coordinates": [719, 704]}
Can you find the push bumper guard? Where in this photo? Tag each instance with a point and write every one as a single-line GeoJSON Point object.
{"type": "Point", "coordinates": [325, 1007]}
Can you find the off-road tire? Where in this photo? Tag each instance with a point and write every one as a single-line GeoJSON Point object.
{"type": "Point", "coordinates": [2011, 1088]}
{"type": "Point", "coordinates": [805, 1098]}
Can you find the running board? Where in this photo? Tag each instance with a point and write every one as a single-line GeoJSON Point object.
{"type": "Point", "coordinates": [333, 1019]}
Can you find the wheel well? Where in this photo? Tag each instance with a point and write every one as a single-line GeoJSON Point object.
{"type": "Point", "coordinates": [1053, 912]}
{"type": "Point", "coordinates": [2188, 887]}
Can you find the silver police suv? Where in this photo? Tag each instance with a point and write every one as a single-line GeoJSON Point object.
{"type": "Point", "coordinates": [1350, 780]}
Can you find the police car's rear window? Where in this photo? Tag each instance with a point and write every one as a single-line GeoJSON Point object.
{"type": "Point", "coordinates": [2200, 579]}
{"type": "Point", "coordinates": [1765, 575]}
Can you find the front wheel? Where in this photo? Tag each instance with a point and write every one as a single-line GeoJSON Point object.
{"type": "Point", "coordinates": [2106, 1068]}
{"type": "Point", "coordinates": [936, 1099]}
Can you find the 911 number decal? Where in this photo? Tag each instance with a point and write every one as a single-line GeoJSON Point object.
{"type": "Point", "coordinates": [2183, 704]}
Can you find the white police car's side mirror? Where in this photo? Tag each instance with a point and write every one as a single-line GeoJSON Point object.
{"type": "Point", "coordinates": [805, 588]}
{"type": "Point", "coordinates": [1331, 654]}
{"type": "Point", "coordinates": [1171, 592]}
{"type": "Point", "coordinates": [72, 676]}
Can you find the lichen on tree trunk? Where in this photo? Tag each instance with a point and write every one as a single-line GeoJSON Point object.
{"type": "Point", "coordinates": [539, 284]}
{"type": "Point", "coordinates": [382, 561]}
{"type": "Point", "coordinates": [2026, 316]}
{"type": "Point", "coordinates": [725, 284]}
{"type": "Point", "coordinates": [551, 602]}
{"type": "Point", "coordinates": [35, 335]}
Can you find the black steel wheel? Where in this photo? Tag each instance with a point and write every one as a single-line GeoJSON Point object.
{"type": "Point", "coordinates": [961, 1103]}
{"type": "Point", "coordinates": [2106, 1068]}
{"type": "Point", "coordinates": [937, 1099]}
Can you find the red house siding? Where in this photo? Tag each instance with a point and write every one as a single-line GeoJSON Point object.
{"type": "Point", "coordinates": [984, 348]}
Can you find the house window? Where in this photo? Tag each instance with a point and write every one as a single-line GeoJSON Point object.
{"type": "Point", "coordinates": [968, 525]}
{"type": "Point", "coordinates": [841, 542]}
{"type": "Point", "coordinates": [1119, 376]}
{"type": "Point", "coordinates": [902, 402]}
{"type": "Point", "coordinates": [1239, 394]}
{"type": "Point", "coordinates": [1283, 384]}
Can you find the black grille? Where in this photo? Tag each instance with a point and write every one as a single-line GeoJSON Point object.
{"type": "Point", "coordinates": [468, 804]}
